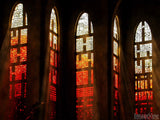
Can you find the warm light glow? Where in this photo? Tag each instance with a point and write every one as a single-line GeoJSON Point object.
{"type": "Point", "coordinates": [143, 68]}
{"type": "Point", "coordinates": [53, 64]}
{"type": "Point", "coordinates": [84, 69]}
{"type": "Point", "coordinates": [18, 59]}
{"type": "Point", "coordinates": [116, 68]}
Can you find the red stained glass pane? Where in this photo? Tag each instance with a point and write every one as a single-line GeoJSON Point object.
{"type": "Point", "coordinates": [82, 77]}
{"type": "Point", "coordinates": [151, 109]}
{"type": "Point", "coordinates": [136, 110]}
{"type": "Point", "coordinates": [52, 93]}
{"type": "Point", "coordinates": [18, 92]}
{"type": "Point", "coordinates": [19, 70]}
{"type": "Point", "coordinates": [54, 77]}
{"type": "Point", "coordinates": [136, 96]}
{"type": "Point", "coordinates": [84, 92]}
{"type": "Point", "coordinates": [116, 94]}
{"type": "Point", "coordinates": [10, 92]}
{"type": "Point", "coordinates": [55, 59]}
{"type": "Point", "coordinates": [25, 90]}
{"type": "Point", "coordinates": [50, 76]}
{"type": "Point", "coordinates": [92, 76]}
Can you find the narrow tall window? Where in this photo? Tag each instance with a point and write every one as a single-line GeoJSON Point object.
{"type": "Point", "coordinates": [18, 59]}
{"type": "Point", "coordinates": [116, 68]}
{"type": "Point", "coordinates": [85, 107]}
{"type": "Point", "coordinates": [143, 69]}
{"type": "Point", "coordinates": [53, 37]}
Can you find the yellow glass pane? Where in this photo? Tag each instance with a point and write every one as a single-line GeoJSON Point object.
{"type": "Point", "coordinates": [23, 38]}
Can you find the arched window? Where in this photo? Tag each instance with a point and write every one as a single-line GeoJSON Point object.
{"type": "Point", "coordinates": [116, 68]}
{"type": "Point", "coordinates": [18, 58]}
{"type": "Point", "coordinates": [85, 107]}
{"type": "Point", "coordinates": [143, 69]}
{"type": "Point", "coordinates": [53, 38]}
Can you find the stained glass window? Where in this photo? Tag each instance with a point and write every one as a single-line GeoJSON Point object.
{"type": "Point", "coordinates": [53, 37]}
{"type": "Point", "coordinates": [143, 69]}
{"type": "Point", "coordinates": [116, 69]}
{"type": "Point", "coordinates": [18, 60]}
{"type": "Point", "coordinates": [85, 107]}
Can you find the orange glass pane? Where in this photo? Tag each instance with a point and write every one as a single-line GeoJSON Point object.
{"type": "Point", "coordinates": [23, 54]}
{"type": "Point", "coordinates": [135, 85]}
{"type": "Point", "coordinates": [151, 83]}
{"type": "Point", "coordinates": [52, 57]}
{"type": "Point", "coordinates": [50, 39]}
{"type": "Point", "coordinates": [54, 42]}
{"type": "Point", "coordinates": [84, 60]}
{"type": "Point", "coordinates": [115, 64]}
{"type": "Point", "coordinates": [13, 55]}
{"type": "Point", "coordinates": [92, 59]}
{"type": "Point", "coordinates": [116, 80]}
{"type": "Point", "coordinates": [142, 84]}
{"type": "Point", "coordinates": [14, 38]}
{"type": "Point", "coordinates": [146, 86]}
{"type": "Point", "coordinates": [136, 96]}
{"type": "Point", "coordinates": [139, 85]}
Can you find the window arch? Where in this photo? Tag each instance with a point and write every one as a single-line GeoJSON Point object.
{"type": "Point", "coordinates": [18, 59]}
{"type": "Point", "coordinates": [85, 107]}
{"type": "Point", "coordinates": [143, 69]}
{"type": "Point", "coordinates": [53, 38]}
{"type": "Point", "coordinates": [116, 67]}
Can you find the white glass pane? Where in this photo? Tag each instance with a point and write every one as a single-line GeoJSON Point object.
{"type": "Point", "coordinates": [17, 18]}
{"type": "Point", "coordinates": [82, 27]}
{"type": "Point", "coordinates": [138, 37]}
{"type": "Point", "coordinates": [148, 35]}
{"type": "Point", "coordinates": [79, 45]}
{"type": "Point", "coordinates": [89, 43]}
{"type": "Point", "coordinates": [53, 21]}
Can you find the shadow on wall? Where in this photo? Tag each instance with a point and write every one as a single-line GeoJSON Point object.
{"type": "Point", "coordinates": [4, 79]}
